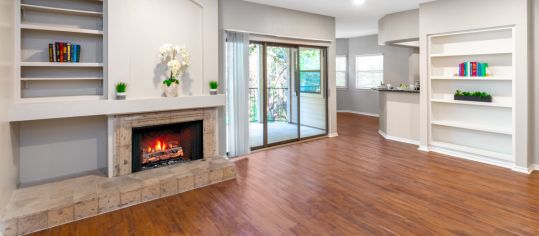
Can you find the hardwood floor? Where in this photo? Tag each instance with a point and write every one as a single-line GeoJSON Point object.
{"type": "Point", "coordinates": [355, 184]}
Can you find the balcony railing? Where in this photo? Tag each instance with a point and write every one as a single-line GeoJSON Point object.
{"type": "Point", "coordinates": [277, 104]}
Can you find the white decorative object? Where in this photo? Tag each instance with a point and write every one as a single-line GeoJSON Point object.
{"type": "Point", "coordinates": [171, 91]}
{"type": "Point", "coordinates": [178, 60]}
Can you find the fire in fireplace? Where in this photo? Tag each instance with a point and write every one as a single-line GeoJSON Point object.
{"type": "Point", "coordinates": [169, 144]}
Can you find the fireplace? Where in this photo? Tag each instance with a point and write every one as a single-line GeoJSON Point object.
{"type": "Point", "coordinates": [162, 145]}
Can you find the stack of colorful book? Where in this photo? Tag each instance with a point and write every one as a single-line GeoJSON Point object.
{"type": "Point", "coordinates": [64, 52]}
{"type": "Point", "coordinates": [473, 69]}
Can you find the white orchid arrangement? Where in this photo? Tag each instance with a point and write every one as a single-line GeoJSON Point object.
{"type": "Point", "coordinates": [178, 60]}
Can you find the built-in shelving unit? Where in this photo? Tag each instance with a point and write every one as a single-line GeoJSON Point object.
{"type": "Point", "coordinates": [479, 131]}
{"type": "Point", "coordinates": [43, 22]}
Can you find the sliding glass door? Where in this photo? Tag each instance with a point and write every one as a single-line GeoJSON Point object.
{"type": "Point", "coordinates": [281, 76]}
{"type": "Point", "coordinates": [313, 102]}
{"type": "Point", "coordinates": [281, 125]}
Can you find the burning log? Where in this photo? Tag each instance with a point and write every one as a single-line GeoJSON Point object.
{"type": "Point", "coordinates": [156, 156]}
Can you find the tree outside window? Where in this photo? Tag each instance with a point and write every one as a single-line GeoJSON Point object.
{"type": "Point", "coordinates": [310, 70]}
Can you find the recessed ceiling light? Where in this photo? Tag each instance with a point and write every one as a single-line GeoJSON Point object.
{"type": "Point", "coordinates": [359, 2]}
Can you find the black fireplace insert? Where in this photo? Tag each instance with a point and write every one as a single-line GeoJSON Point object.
{"type": "Point", "coordinates": [163, 145]}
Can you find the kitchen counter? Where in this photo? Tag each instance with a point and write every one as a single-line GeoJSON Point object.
{"type": "Point", "coordinates": [399, 115]}
{"type": "Point", "coordinates": [396, 90]}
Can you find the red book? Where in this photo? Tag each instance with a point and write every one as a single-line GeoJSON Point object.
{"type": "Point", "coordinates": [474, 68]}
{"type": "Point", "coordinates": [61, 52]}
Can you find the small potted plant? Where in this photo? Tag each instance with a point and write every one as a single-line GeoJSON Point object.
{"type": "Point", "coordinates": [214, 85]}
{"type": "Point", "coordinates": [120, 90]}
{"type": "Point", "coordinates": [473, 96]}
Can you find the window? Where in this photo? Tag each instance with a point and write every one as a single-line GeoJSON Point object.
{"type": "Point", "coordinates": [341, 72]}
{"type": "Point", "coordinates": [369, 71]}
{"type": "Point", "coordinates": [310, 70]}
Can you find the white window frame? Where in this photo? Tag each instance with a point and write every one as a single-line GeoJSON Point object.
{"type": "Point", "coordinates": [345, 72]}
{"type": "Point", "coordinates": [372, 71]}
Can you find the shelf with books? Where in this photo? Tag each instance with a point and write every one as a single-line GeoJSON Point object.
{"type": "Point", "coordinates": [468, 78]}
{"type": "Point", "coordinates": [32, 7]}
{"type": "Point", "coordinates": [61, 64]}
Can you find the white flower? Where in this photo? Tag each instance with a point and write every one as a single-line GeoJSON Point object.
{"type": "Point", "coordinates": [177, 58]}
{"type": "Point", "coordinates": [175, 67]}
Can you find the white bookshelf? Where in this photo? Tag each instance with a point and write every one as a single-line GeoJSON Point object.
{"type": "Point", "coordinates": [480, 131]}
{"type": "Point", "coordinates": [43, 22]}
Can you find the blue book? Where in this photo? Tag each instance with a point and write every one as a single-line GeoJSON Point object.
{"type": "Point", "coordinates": [74, 53]}
{"type": "Point", "coordinates": [78, 53]}
{"type": "Point", "coordinates": [479, 69]}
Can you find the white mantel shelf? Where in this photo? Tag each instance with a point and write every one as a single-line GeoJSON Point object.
{"type": "Point", "coordinates": [69, 109]}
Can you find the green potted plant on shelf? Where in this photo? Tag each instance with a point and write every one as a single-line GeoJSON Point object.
{"type": "Point", "coordinates": [214, 85]}
{"type": "Point", "coordinates": [473, 96]}
{"type": "Point", "coordinates": [120, 90]}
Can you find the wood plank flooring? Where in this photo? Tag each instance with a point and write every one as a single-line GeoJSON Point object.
{"type": "Point", "coordinates": [355, 184]}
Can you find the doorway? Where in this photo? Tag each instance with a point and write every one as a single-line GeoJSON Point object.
{"type": "Point", "coordinates": [287, 93]}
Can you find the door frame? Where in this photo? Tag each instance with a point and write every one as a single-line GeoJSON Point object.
{"type": "Point", "coordinates": [264, 77]}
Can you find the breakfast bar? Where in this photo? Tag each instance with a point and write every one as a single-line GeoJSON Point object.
{"type": "Point", "coordinates": [399, 115]}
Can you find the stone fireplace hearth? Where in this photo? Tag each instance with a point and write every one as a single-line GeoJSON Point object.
{"type": "Point", "coordinates": [43, 206]}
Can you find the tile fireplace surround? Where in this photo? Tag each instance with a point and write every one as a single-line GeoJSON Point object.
{"type": "Point", "coordinates": [39, 207]}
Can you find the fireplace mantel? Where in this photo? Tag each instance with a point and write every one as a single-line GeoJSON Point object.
{"type": "Point", "coordinates": [70, 109]}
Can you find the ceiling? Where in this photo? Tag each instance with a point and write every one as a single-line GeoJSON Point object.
{"type": "Point", "coordinates": [352, 20]}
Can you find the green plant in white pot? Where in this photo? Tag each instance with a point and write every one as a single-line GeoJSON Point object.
{"type": "Point", "coordinates": [178, 60]}
{"type": "Point", "coordinates": [121, 87]}
{"type": "Point", "coordinates": [214, 86]}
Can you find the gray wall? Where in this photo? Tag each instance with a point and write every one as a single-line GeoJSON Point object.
{"type": "Point", "coordinates": [342, 47]}
{"type": "Point", "coordinates": [8, 139]}
{"type": "Point", "coordinates": [62, 147]}
{"type": "Point", "coordinates": [396, 71]}
{"type": "Point", "coordinates": [261, 19]}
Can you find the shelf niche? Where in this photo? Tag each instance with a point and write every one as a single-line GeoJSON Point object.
{"type": "Point", "coordinates": [44, 22]}
{"type": "Point", "coordinates": [481, 130]}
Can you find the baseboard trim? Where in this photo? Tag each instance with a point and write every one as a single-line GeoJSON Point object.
{"type": "Point", "coordinates": [359, 113]}
{"type": "Point", "coordinates": [524, 170]}
{"type": "Point", "coordinates": [471, 157]}
{"type": "Point", "coordinates": [423, 148]}
{"type": "Point", "coordinates": [333, 135]}
{"type": "Point", "coordinates": [397, 139]}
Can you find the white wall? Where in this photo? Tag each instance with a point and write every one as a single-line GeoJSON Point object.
{"type": "Point", "coordinates": [273, 21]}
{"type": "Point", "coordinates": [440, 17]}
{"type": "Point", "coordinates": [136, 30]}
{"type": "Point", "coordinates": [396, 71]}
{"type": "Point", "coordinates": [62, 147]}
{"type": "Point", "coordinates": [8, 139]}
{"type": "Point", "coordinates": [399, 26]}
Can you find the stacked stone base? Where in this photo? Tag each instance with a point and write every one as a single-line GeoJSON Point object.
{"type": "Point", "coordinates": [44, 206]}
